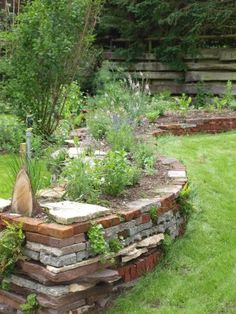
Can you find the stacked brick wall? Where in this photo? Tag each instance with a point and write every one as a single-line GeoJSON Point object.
{"type": "Point", "coordinates": [63, 272]}
{"type": "Point", "coordinates": [193, 126]}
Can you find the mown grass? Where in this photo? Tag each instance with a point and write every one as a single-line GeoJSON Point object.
{"type": "Point", "coordinates": [7, 163]}
{"type": "Point", "coordinates": [199, 274]}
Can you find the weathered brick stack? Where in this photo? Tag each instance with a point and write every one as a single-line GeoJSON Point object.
{"type": "Point", "coordinates": [198, 125]}
{"type": "Point", "coordinates": [60, 267]}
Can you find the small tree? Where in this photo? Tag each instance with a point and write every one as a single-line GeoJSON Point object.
{"type": "Point", "coordinates": [50, 42]}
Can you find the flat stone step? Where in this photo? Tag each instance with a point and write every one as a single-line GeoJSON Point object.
{"type": "Point", "coordinates": [70, 212]}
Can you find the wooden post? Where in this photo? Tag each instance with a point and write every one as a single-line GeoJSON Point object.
{"type": "Point", "coordinates": [22, 149]}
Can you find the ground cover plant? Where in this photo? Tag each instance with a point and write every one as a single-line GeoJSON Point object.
{"type": "Point", "coordinates": [198, 274]}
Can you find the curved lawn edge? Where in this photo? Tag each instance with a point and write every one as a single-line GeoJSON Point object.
{"type": "Point", "coordinates": [198, 274]}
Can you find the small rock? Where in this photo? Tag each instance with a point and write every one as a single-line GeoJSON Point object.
{"type": "Point", "coordinates": [151, 241]}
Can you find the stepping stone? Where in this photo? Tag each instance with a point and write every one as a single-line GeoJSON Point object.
{"type": "Point", "coordinates": [177, 174]}
{"type": "Point", "coordinates": [70, 212]}
{"type": "Point", "coordinates": [175, 189]}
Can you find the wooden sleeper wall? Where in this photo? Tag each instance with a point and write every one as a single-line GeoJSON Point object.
{"type": "Point", "coordinates": [214, 67]}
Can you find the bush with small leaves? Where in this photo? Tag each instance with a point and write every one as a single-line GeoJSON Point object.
{"type": "Point", "coordinates": [97, 240]}
{"type": "Point", "coordinates": [117, 173]}
{"type": "Point", "coordinates": [144, 157]}
{"type": "Point", "coordinates": [82, 181]}
{"type": "Point", "coordinates": [31, 306]}
{"type": "Point", "coordinates": [12, 133]}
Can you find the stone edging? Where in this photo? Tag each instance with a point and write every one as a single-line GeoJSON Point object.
{"type": "Point", "coordinates": [198, 125]}
{"type": "Point", "coordinates": [68, 278]}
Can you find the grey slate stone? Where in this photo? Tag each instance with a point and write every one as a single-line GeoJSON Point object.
{"type": "Point", "coordinates": [31, 254]}
{"type": "Point", "coordinates": [81, 256]}
{"type": "Point", "coordinates": [60, 261]}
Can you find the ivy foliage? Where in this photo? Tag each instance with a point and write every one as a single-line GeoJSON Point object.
{"type": "Point", "coordinates": [176, 24]}
{"type": "Point", "coordinates": [49, 46]}
{"type": "Point", "coordinates": [11, 241]}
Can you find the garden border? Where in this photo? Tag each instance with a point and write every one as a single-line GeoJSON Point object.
{"type": "Point", "coordinates": [71, 282]}
{"type": "Point", "coordinates": [211, 125]}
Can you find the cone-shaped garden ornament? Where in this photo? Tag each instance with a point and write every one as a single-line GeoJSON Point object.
{"type": "Point", "coordinates": [22, 198]}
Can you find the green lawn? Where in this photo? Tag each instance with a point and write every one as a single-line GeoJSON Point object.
{"type": "Point", "coordinates": [199, 274]}
{"type": "Point", "coordinates": [6, 180]}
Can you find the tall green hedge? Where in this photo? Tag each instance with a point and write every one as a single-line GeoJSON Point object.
{"type": "Point", "coordinates": [177, 24]}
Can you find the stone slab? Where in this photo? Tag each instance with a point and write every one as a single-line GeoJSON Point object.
{"type": "Point", "coordinates": [177, 174]}
{"type": "Point", "coordinates": [55, 291]}
{"type": "Point", "coordinates": [70, 212]}
{"type": "Point", "coordinates": [58, 275]}
{"type": "Point", "coordinates": [175, 189]}
{"type": "Point", "coordinates": [37, 247]}
{"type": "Point", "coordinates": [151, 241]}
{"type": "Point", "coordinates": [57, 270]}
{"type": "Point", "coordinates": [57, 261]}
{"type": "Point", "coordinates": [144, 204]}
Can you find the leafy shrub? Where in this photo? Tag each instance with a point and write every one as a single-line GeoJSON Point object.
{"type": "Point", "coordinates": [74, 102]}
{"type": "Point", "coordinates": [117, 173]}
{"type": "Point", "coordinates": [183, 103]}
{"type": "Point", "coordinates": [11, 241]}
{"type": "Point", "coordinates": [121, 137]}
{"type": "Point", "coordinates": [97, 240]}
{"type": "Point", "coordinates": [50, 44]}
{"type": "Point", "coordinates": [98, 243]}
{"type": "Point", "coordinates": [115, 245]}
{"type": "Point", "coordinates": [61, 133]}
{"type": "Point", "coordinates": [203, 96]}
{"type": "Point", "coordinates": [56, 164]}
{"type": "Point", "coordinates": [186, 206]}
{"type": "Point", "coordinates": [167, 243]}
{"type": "Point", "coordinates": [11, 133]}
{"type": "Point", "coordinates": [31, 306]}
{"type": "Point", "coordinates": [144, 157]}
{"type": "Point", "coordinates": [152, 116]}
{"type": "Point", "coordinates": [82, 181]}
{"type": "Point", "coordinates": [99, 123]}
{"type": "Point", "coordinates": [153, 214]}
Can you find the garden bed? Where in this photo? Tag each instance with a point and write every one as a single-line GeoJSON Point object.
{"type": "Point", "coordinates": [195, 121]}
{"type": "Point", "coordinates": [67, 275]}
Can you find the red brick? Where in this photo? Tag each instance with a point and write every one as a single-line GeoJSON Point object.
{"type": "Point", "coordinates": [145, 218]}
{"type": "Point", "coordinates": [79, 238]}
{"type": "Point", "coordinates": [47, 240]}
{"type": "Point", "coordinates": [130, 214]}
{"type": "Point", "coordinates": [81, 227]}
{"type": "Point", "coordinates": [7, 217]}
{"type": "Point", "coordinates": [56, 230]}
{"type": "Point", "coordinates": [140, 267]}
{"type": "Point", "coordinates": [108, 221]}
{"type": "Point", "coordinates": [133, 272]}
{"type": "Point", "coordinates": [29, 224]}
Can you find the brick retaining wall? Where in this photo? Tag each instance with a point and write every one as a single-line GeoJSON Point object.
{"type": "Point", "coordinates": [63, 272]}
{"type": "Point", "coordinates": [198, 125]}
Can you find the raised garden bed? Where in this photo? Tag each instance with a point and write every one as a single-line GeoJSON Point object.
{"type": "Point", "coordinates": [196, 121]}
{"type": "Point", "coordinates": [63, 271]}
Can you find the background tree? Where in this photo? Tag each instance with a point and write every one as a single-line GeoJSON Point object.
{"type": "Point", "coordinates": [49, 44]}
{"type": "Point", "coordinates": [177, 25]}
